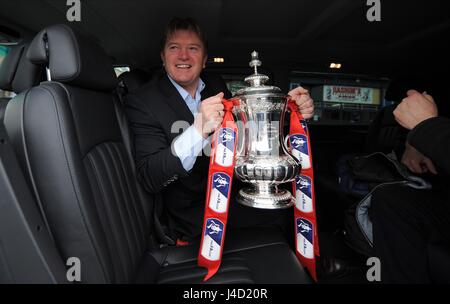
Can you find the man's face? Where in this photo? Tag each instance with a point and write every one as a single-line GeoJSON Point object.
{"type": "Point", "coordinates": [184, 58]}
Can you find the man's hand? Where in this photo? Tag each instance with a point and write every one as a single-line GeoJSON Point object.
{"type": "Point", "coordinates": [414, 109]}
{"type": "Point", "coordinates": [416, 161]}
{"type": "Point", "coordinates": [210, 115]}
{"type": "Point", "coordinates": [304, 101]}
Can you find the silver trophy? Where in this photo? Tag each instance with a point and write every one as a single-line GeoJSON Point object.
{"type": "Point", "coordinates": [263, 159]}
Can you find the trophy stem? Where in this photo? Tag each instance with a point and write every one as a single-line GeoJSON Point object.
{"type": "Point", "coordinates": [265, 196]}
{"type": "Point", "coordinates": [265, 188]}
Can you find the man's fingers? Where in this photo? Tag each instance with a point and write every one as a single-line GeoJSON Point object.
{"type": "Point", "coordinates": [211, 108]}
{"type": "Point", "coordinates": [308, 113]}
{"type": "Point", "coordinates": [212, 124]}
{"type": "Point", "coordinates": [411, 92]}
{"type": "Point", "coordinates": [398, 113]}
{"type": "Point", "coordinates": [216, 124]}
{"type": "Point", "coordinates": [414, 167]}
{"type": "Point", "coordinates": [220, 106]}
{"type": "Point", "coordinates": [298, 91]}
{"type": "Point", "coordinates": [428, 97]}
{"type": "Point", "coordinates": [305, 103]}
{"type": "Point", "coordinates": [302, 98]}
{"type": "Point", "coordinates": [429, 165]}
{"type": "Point", "coordinates": [214, 99]}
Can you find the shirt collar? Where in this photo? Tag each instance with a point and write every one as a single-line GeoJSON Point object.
{"type": "Point", "coordinates": [185, 94]}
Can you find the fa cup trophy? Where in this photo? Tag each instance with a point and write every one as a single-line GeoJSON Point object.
{"type": "Point", "coordinates": [263, 159]}
{"type": "Point", "coordinates": [250, 144]}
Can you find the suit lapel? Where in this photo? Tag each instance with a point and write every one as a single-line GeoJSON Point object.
{"type": "Point", "coordinates": [207, 92]}
{"type": "Point", "coordinates": [174, 100]}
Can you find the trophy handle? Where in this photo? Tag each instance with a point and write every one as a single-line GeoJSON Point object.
{"type": "Point", "coordinates": [284, 138]}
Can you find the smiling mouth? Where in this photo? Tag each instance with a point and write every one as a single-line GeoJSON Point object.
{"type": "Point", "coordinates": [183, 66]}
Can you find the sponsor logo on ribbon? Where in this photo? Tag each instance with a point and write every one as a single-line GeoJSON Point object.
{"type": "Point", "coordinates": [305, 232]}
{"type": "Point", "coordinates": [212, 239]}
{"type": "Point", "coordinates": [225, 147]}
{"type": "Point", "coordinates": [303, 196]}
{"type": "Point", "coordinates": [299, 144]}
{"type": "Point", "coordinates": [218, 200]}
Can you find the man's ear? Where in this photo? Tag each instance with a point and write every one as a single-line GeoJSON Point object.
{"type": "Point", "coordinates": [204, 60]}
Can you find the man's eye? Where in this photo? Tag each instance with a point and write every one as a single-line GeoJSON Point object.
{"type": "Point", "coordinates": [193, 48]}
{"type": "Point", "coordinates": [173, 47]}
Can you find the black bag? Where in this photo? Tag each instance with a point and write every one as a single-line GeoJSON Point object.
{"type": "Point", "coordinates": [376, 171]}
{"type": "Point", "coordinates": [358, 175]}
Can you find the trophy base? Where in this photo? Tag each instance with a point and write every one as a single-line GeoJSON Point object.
{"type": "Point", "coordinates": [265, 197]}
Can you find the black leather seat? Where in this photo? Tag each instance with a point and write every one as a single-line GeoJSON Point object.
{"type": "Point", "coordinates": [17, 74]}
{"type": "Point", "coordinates": [70, 141]}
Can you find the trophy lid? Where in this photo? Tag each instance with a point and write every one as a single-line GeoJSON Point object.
{"type": "Point", "coordinates": [257, 81]}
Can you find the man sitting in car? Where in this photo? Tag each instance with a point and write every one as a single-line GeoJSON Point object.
{"type": "Point", "coordinates": [173, 165]}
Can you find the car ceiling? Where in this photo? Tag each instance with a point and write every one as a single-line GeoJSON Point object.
{"type": "Point", "coordinates": [300, 35]}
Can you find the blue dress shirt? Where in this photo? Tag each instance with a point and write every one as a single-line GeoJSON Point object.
{"type": "Point", "coordinates": [190, 143]}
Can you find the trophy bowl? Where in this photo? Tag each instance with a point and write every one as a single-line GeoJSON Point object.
{"type": "Point", "coordinates": [263, 160]}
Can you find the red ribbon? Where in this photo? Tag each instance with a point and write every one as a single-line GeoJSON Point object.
{"type": "Point", "coordinates": [220, 177]}
{"type": "Point", "coordinates": [306, 235]}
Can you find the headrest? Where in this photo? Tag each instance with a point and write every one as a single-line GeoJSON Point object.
{"type": "Point", "coordinates": [133, 79]}
{"type": "Point", "coordinates": [72, 59]}
{"type": "Point", "coordinates": [9, 66]}
{"type": "Point", "coordinates": [27, 74]}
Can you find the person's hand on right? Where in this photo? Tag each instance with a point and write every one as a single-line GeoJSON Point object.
{"type": "Point", "coordinates": [210, 115]}
{"type": "Point", "coordinates": [416, 161]}
{"type": "Point", "coordinates": [414, 109]}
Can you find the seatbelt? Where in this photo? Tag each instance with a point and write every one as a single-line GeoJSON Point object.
{"type": "Point", "coordinates": [162, 233]}
{"type": "Point", "coordinates": [220, 177]}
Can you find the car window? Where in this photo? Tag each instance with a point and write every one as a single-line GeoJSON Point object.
{"type": "Point", "coordinates": [342, 99]}
{"type": "Point", "coordinates": [3, 52]}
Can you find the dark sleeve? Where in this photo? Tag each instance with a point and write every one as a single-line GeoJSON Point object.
{"type": "Point", "coordinates": [156, 165]}
{"type": "Point", "coordinates": [432, 138]}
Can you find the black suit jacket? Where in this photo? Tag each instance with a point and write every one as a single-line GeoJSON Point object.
{"type": "Point", "coordinates": [432, 138]}
{"type": "Point", "coordinates": [151, 112]}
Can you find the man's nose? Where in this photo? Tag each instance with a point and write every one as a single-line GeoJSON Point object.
{"type": "Point", "coordinates": [183, 54]}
